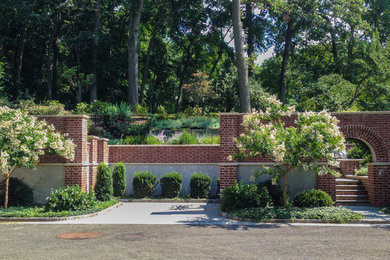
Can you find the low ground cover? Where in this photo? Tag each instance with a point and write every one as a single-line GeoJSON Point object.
{"type": "Point", "coordinates": [40, 211]}
{"type": "Point", "coordinates": [386, 210]}
{"type": "Point", "coordinates": [326, 214]}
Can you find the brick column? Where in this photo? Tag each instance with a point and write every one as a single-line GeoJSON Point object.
{"type": "Point", "coordinates": [93, 140]}
{"type": "Point", "coordinates": [379, 184]}
{"type": "Point", "coordinates": [102, 150]}
{"type": "Point", "coordinates": [229, 129]}
{"type": "Point", "coordinates": [327, 183]}
{"type": "Point", "coordinates": [76, 171]}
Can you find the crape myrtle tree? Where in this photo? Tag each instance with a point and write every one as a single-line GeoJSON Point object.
{"type": "Point", "coordinates": [23, 139]}
{"type": "Point", "coordinates": [312, 143]}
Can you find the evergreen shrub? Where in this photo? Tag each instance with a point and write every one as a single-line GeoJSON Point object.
{"type": "Point", "coordinates": [312, 199]}
{"type": "Point", "coordinates": [200, 185]}
{"type": "Point", "coordinates": [171, 184]}
{"type": "Point", "coordinates": [144, 184]}
{"type": "Point", "coordinates": [119, 179]}
{"type": "Point", "coordinates": [103, 186]}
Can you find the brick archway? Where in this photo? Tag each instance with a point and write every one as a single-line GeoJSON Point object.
{"type": "Point", "coordinates": [374, 141]}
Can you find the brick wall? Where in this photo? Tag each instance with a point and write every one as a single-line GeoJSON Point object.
{"type": "Point", "coordinates": [164, 153]}
{"type": "Point", "coordinates": [379, 184]}
{"type": "Point", "coordinates": [348, 166]}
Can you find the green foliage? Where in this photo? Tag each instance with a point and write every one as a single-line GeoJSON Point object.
{"type": "Point", "coordinates": [330, 214]}
{"type": "Point", "coordinates": [83, 108]}
{"type": "Point", "coordinates": [187, 123]}
{"type": "Point", "coordinates": [35, 212]}
{"type": "Point", "coordinates": [209, 140]}
{"type": "Point", "coordinates": [140, 140]}
{"type": "Point", "coordinates": [51, 107]}
{"type": "Point", "coordinates": [312, 199]}
{"type": "Point", "coordinates": [140, 110]}
{"type": "Point", "coordinates": [162, 113]}
{"type": "Point", "coordinates": [186, 138]}
{"type": "Point", "coordinates": [144, 184]}
{"type": "Point", "coordinates": [274, 190]}
{"type": "Point", "coordinates": [171, 184]}
{"type": "Point", "coordinates": [19, 193]}
{"type": "Point", "coordinates": [119, 179]}
{"type": "Point", "coordinates": [360, 151]}
{"type": "Point", "coordinates": [70, 198]}
{"type": "Point", "coordinates": [241, 196]}
{"type": "Point", "coordinates": [362, 171]}
{"type": "Point", "coordinates": [103, 186]}
{"type": "Point", "coordinates": [200, 185]}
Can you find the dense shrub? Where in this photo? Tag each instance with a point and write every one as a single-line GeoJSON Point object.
{"type": "Point", "coordinates": [240, 196]}
{"type": "Point", "coordinates": [200, 185]}
{"type": "Point", "coordinates": [51, 107]}
{"type": "Point", "coordinates": [209, 140]}
{"type": "Point", "coordinates": [186, 138]}
{"type": "Point", "coordinates": [274, 190]}
{"type": "Point", "coordinates": [140, 140]}
{"type": "Point", "coordinates": [70, 198]}
{"type": "Point", "coordinates": [144, 184]}
{"type": "Point", "coordinates": [119, 179]}
{"type": "Point", "coordinates": [19, 193]}
{"type": "Point", "coordinates": [171, 184]}
{"type": "Point", "coordinates": [312, 198]}
{"type": "Point", "coordinates": [362, 171]}
{"type": "Point", "coordinates": [103, 186]}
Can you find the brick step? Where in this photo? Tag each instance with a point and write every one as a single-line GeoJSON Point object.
{"type": "Point", "coordinates": [344, 181]}
{"type": "Point", "coordinates": [351, 197]}
{"type": "Point", "coordinates": [350, 187]}
{"type": "Point", "coordinates": [353, 203]}
{"type": "Point", "coordinates": [351, 192]}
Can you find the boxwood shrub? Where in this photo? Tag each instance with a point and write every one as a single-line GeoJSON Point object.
{"type": "Point", "coordinates": [119, 179]}
{"type": "Point", "coordinates": [312, 199]}
{"type": "Point", "coordinates": [171, 184]}
{"type": "Point", "coordinates": [103, 186]}
{"type": "Point", "coordinates": [19, 193]}
{"type": "Point", "coordinates": [200, 185]}
{"type": "Point", "coordinates": [240, 196]}
{"type": "Point", "coordinates": [144, 184]}
{"type": "Point", "coordinates": [70, 198]}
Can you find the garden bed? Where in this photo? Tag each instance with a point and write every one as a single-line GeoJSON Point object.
{"type": "Point", "coordinates": [276, 214]}
{"type": "Point", "coordinates": [40, 212]}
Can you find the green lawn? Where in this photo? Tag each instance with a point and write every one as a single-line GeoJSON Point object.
{"type": "Point", "coordinates": [39, 211]}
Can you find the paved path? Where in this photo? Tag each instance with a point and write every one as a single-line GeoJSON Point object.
{"type": "Point", "coordinates": [370, 213]}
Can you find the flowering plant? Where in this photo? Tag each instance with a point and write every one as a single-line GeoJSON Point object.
{"type": "Point", "coordinates": [313, 142]}
{"type": "Point", "coordinates": [23, 139]}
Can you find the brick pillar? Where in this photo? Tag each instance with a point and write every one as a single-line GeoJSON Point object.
{"type": "Point", "coordinates": [229, 129]}
{"type": "Point", "coordinates": [93, 140]}
{"type": "Point", "coordinates": [102, 150]}
{"type": "Point", "coordinates": [379, 184]}
{"type": "Point", "coordinates": [348, 166]}
{"type": "Point", "coordinates": [327, 183]}
{"type": "Point", "coordinates": [76, 171]}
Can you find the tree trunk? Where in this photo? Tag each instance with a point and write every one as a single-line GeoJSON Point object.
{"type": "Point", "coordinates": [250, 38]}
{"type": "Point", "coordinates": [182, 77]}
{"type": "Point", "coordinates": [334, 51]}
{"type": "Point", "coordinates": [96, 25]}
{"type": "Point", "coordinates": [79, 85]}
{"type": "Point", "coordinates": [49, 76]}
{"type": "Point", "coordinates": [285, 187]}
{"type": "Point", "coordinates": [286, 55]}
{"type": "Point", "coordinates": [245, 105]}
{"type": "Point", "coordinates": [148, 54]}
{"type": "Point", "coordinates": [21, 39]}
{"type": "Point", "coordinates": [55, 67]}
{"type": "Point", "coordinates": [135, 16]}
{"type": "Point", "coordinates": [6, 191]}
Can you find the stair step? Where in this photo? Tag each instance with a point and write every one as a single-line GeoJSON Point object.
{"type": "Point", "coordinates": [353, 203]}
{"type": "Point", "coordinates": [351, 192]}
{"type": "Point", "coordinates": [350, 186]}
{"type": "Point", "coordinates": [351, 197]}
{"type": "Point", "coordinates": [346, 180]}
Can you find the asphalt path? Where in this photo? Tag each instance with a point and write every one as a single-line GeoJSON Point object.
{"type": "Point", "coordinates": [267, 241]}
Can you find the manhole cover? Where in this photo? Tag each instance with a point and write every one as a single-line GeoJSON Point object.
{"type": "Point", "coordinates": [79, 235]}
{"type": "Point", "coordinates": [132, 236]}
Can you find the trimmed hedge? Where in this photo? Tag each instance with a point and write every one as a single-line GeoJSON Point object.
{"type": "Point", "coordinates": [171, 184]}
{"type": "Point", "coordinates": [70, 198]}
{"type": "Point", "coordinates": [144, 184]}
{"type": "Point", "coordinates": [119, 179]}
{"type": "Point", "coordinates": [312, 199]}
{"type": "Point", "coordinates": [19, 193]}
{"type": "Point", "coordinates": [200, 185]}
{"type": "Point", "coordinates": [240, 196]}
{"type": "Point", "coordinates": [103, 186]}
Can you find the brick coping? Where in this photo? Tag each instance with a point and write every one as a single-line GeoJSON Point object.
{"type": "Point", "coordinates": [164, 145]}
{"type": "Point", "coordinates": [70, 115]}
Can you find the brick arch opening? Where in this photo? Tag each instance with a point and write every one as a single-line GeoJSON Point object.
{"type": "Point", "coordinates": [374, 141]}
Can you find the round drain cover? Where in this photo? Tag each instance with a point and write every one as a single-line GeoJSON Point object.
{"type": "Point", "coordinates": [79, 235]}
{"type": "Point", "coordinates": [132, 236]}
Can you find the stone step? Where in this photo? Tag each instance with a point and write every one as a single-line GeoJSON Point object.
{"type": "Point", "coordinates": [351, 192]}
{"type": "Point", "coordinates": [350, 187]}
{"type": "Point", "coordinates": [351, 197]}
{"type": "Point", "coordinates": [344, 181]}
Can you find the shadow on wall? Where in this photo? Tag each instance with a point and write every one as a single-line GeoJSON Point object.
{"type": "Point", "coordinates": [298, 179]}
{"type": "Point", "coordinates": [160, 170]}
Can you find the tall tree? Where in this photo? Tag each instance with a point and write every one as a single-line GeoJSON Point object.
{"type": "Point", "coordinates": [135, 16]}
{"type": "Point", "coordinates": [245, 105]}
{"type": "Point", "coordinates": [94, 60]}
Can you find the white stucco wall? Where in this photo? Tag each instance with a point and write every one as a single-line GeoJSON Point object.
{"type": "Point", "coordinates": [42, 180]}
{"type": "Point", "coordinates": [298, 179]}
{"type": "Point", "coordinates": [186, 170]}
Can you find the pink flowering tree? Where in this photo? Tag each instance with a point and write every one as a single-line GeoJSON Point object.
{"type": "Point", "coordinates": [23, 139]}
{"type": "Point", "coordinates": [313, 143]}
